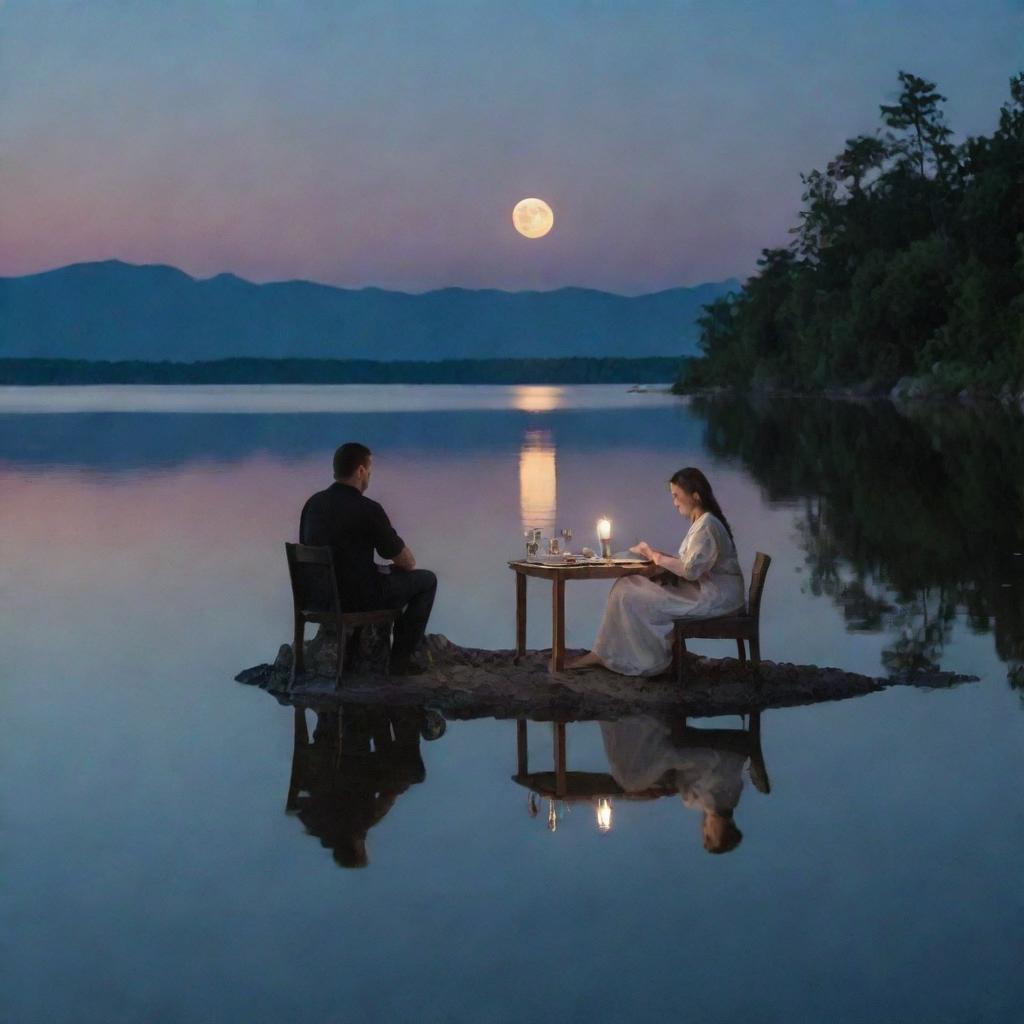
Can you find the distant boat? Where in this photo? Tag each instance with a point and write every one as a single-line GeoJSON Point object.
{"type": "Point", "coordinates": [637, 389]}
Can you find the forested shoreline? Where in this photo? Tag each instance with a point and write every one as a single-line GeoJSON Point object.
{"type": "Point", "coordinates": [37, 372]}
{"type": "Point", "coordinates": [905, 274]}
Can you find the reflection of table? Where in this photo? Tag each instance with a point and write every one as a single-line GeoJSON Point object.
{"type": "Point", "coordinates": [558, 574]}
{"type": "Point", "coordinates": [562, 784]}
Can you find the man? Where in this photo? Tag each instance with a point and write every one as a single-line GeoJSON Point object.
{"type": "Point", "coordinates": [343, 518]}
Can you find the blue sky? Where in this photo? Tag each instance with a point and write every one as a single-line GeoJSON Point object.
{"type": "Point", "coordinates": [385, 143]}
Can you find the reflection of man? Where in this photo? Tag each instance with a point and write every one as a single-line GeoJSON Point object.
{"type": "Point", "coordinates": [349, 777]}
{"type": "Point", "coordinates": [643, 751]}
{"type": "Point", "coordinates": [343, 518]}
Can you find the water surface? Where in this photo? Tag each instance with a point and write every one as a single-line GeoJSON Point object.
{"type": "Point", "coordinates": [153, 871]}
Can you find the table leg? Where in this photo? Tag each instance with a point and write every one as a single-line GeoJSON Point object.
{"type": "Point", "coordinates": [558, 624]}
{"type": "Point", "coordinates": [560, 759]}
{"type": "Point", "coordinates": [522, 749]}
{"type": "Point", "coordinates": [520, 615]}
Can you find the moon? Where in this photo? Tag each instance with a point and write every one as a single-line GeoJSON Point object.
{"type": "Point", "coordinates": [533, 218]}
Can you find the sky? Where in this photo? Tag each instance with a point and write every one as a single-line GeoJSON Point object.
{"type": "Point", "coordinates": [386, 143]}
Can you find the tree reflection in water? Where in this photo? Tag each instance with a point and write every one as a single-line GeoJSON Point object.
{"type": "Point", "coordinates": [907, 518]}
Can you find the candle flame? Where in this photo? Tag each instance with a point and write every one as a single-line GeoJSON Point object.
{"type": "Point", "coordinates": [604, 529]}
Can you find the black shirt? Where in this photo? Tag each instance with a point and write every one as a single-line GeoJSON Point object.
{"type": "Point", "coordinates": [354, 526]}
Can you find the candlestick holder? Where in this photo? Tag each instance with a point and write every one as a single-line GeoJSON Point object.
{"type": "Point", "coordinates": [606, 549]}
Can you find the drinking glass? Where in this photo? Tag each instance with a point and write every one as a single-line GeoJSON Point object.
{"type": "Point", "coordinates": [567, 537]}
{"type": "Point", "coordinates": [532, 538]}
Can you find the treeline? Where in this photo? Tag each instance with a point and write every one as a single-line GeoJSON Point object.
{"type": "Point", "coordinates": [948, 478]}
{"type": "Point", "coordinates": [651, 370]}
{"type": "Point", "coordinates": [907, 262]}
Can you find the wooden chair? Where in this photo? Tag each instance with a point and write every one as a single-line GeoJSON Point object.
{"type": "Point", "coordinates": [315, 598]}
{"type": "Point", "coordinates": [745, 625]}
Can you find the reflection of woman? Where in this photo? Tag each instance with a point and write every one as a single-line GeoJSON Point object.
{"type": "Point", "coordinates": [702, 581]}
{"type": "Point", "coordinates": [641, 753]}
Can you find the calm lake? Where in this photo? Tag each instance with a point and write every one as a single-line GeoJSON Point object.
{"type": "Point", "coordinates": [153, 871]}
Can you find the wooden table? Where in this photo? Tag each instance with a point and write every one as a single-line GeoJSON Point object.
{"type": "Point", "coordinates": [558, 574]}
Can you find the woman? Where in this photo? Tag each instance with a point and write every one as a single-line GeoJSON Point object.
{"type": "Point", "coordinates": [705, 580]}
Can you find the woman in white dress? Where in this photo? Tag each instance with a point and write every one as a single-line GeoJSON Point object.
{"type": "Point", "coordinates": [701, 581]}
{"type": "Point", "coordinates": [641, 753]}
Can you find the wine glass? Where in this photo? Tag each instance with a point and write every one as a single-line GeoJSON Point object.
{"type": "Point", "coordinates": [532, 538]}
{"type": "Point", "coordinates": [567, 537]}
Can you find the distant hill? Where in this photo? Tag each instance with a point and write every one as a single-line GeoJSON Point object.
{"type": "Point", "coordinates": [117, 311]}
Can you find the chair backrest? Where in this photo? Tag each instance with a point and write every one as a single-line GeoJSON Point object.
{"type": "Point", "coordinates": [314, 584]}
{"type": "Point", "coordinates": [757, 577]}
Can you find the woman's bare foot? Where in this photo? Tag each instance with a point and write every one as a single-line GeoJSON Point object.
{"type": "Point", "coordinates": [588, 660]}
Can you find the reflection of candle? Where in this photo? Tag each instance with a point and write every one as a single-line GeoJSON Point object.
{"type": "Point", "coordinates": [604, 814]}
{"type": "Point", "coordinates": [604, 535]}
{"type": "Point", "coordinates": [552, 816]}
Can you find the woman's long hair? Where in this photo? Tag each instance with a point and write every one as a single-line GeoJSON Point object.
{"type": "Point", "coordinates": [692, 479]}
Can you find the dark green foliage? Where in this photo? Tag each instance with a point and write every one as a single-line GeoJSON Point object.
{"type": "Point", "coordinates": [906, 520]}
{"type": "Point", "coordinates": [908, 259]}
{"type": "Point", "coordinates": [651, 370]}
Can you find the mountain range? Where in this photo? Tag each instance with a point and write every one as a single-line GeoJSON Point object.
{"type": "Point", "coordinates": [114, 311]}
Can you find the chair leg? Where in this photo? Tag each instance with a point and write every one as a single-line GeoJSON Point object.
{"type": "Point", "coordinates": [742, 652]}
{"type": "Point", "coordinates": [355, 647]}
{"type": "Point", "coordinates": [298, 640]}
{"type": "Point", "coordinates": [680, 655]}
{"type": "Point", "coordinates": [755, 649]}
{"type": "Point", "coordinates": [342, 642]}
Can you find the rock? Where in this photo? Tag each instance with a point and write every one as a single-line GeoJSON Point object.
{"type": "Point", "coordinates": [466, 682]}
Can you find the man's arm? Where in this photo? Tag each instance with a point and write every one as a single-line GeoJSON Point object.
{"type": "Point", "coordinates": [404, 560]}
{"type": "Point", "coordinates": [389, 544]}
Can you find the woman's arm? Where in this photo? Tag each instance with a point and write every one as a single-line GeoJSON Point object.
{"type": "Point", "coordinates": [699, 553]}
{"type": "Point", "coordinates": [698, 556]}
{"type": "Point", "coordinates": [662, 559]}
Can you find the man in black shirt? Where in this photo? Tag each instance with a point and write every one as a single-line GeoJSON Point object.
{"type": "Point", "coordinates": [343, 518]}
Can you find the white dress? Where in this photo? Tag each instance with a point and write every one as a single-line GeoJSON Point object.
{"type": "Point", "coordinates": [635, 637]}
{"type": "Point", "coordinates": [641, 753]}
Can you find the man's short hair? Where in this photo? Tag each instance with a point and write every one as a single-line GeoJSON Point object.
{"type": "Point", "coordinates": [348, 458]}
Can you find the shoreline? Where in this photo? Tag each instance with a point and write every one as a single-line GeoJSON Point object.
{"type": "Point", "coordinates": [644, 371]}
{"type": "Point", "coordinates": [918, 393]}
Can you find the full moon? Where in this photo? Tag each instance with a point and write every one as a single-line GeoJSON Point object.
{"type": "Point", "coordinates": [533, 218]}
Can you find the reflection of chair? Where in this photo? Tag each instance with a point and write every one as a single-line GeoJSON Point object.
{"type": "Point", "coordinates": [315, 599]}
{"type": "Point", "coordinates": [746, 741]}
{"type": "Point", "coordinates": [745, 625]}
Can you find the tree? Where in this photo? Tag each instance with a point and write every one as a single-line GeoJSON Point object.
{"type": "Point", "coordinates": [908, 251]}
{"type": "Point", "coordinates": [920, 135]}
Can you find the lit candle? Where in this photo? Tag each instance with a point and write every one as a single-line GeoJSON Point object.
{"type": "Point", "coordinates": [604, 814]}
{"type": "Point", "coordinates": [604, 535]}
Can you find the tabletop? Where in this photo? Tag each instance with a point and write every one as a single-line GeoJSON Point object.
{"type": "Point", "coordinates": [589, 570]}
